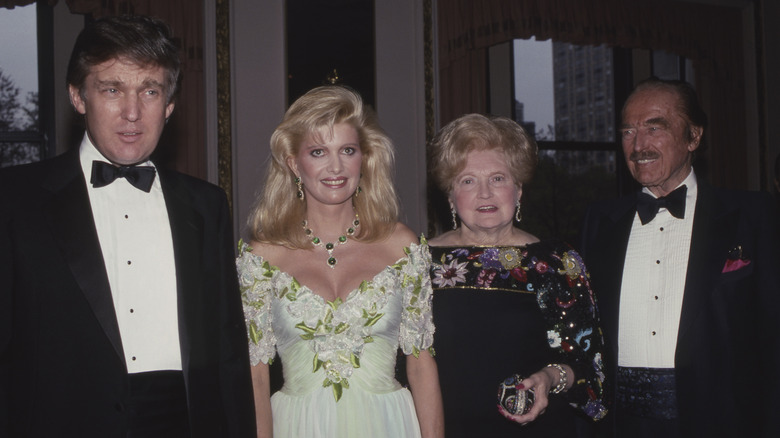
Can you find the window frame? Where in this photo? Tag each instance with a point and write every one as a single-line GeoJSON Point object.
{"type": "Point", "coordinates": [45, 135]}
{"type": "Point", "coordinates": [622, 76]}
{"type": "Point", "coordinates": [623, 69]}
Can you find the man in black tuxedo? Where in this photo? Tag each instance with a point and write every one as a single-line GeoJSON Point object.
{"type": "Point", "coordinates": [120, 314]}
{"type": "Point", "coordinates": [686, 280]}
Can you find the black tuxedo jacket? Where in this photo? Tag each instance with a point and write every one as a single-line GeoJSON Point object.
{"type": "Point", "coordinates": [62, 367]}
{"type": "Point", "coordinates": [728, 354]}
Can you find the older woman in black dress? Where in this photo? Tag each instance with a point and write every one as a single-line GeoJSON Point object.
{"type": "Point", "coordinates": [506, 303]}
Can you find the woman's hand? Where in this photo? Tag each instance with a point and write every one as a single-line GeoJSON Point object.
{"type": "Point", "coordinates": [541, 382]}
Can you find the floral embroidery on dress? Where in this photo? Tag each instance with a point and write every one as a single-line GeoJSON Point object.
{"type": "Point", "coordinates": [336, 331]}
{"type": "Point", "coordinates": [256, 279]}
{"type": "Point", "coordinates": [449, 274]}
{"type": "Point", "coordinates": [510, 258]}
{"type": "Point", "coordinates": [556, 274]}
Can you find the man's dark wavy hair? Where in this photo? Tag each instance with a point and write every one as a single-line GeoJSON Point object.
{"type": "Point", "coordinates": [144, 41]}
{"type": "Point", "coordinates": [688, 100]}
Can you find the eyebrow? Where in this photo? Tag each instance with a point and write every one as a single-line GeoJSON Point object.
{"type": "Point", "coordinates": [151, 83]}
{"type": "Point", "coordinates": [148, 83]}
{"type": "Point", "coordinates": [657, 121]}
{"type": "Point", "coordinates": [108, 82]}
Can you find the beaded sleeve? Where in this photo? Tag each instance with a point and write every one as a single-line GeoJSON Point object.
{"type": "Point", "coordinates": [417, 327]}
{"type": "Point", "coordinates": [255, 278]}
{"type": "Point", "coordinates": [569, 307]}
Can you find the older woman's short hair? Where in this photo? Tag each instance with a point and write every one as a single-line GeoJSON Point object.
{"type": "Point", "coordinates": [475, 132]}
{"type": "Point", "coordinates": [278, 212]}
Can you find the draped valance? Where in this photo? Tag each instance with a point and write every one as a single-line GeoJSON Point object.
{"type": "Point", "coordinates": [710, 36]}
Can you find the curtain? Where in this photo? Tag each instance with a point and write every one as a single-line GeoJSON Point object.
{"type": "Point", "coordinates": [711, 36]}
{"type": "Point", "coordinates": [182, 146]}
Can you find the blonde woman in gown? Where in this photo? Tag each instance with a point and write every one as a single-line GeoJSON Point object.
{"type": "Point", "coordinates": [335, 285]}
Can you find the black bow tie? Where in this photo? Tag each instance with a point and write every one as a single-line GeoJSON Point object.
{"type": "Point", "coordinates": [647, 206]}
{"type": "Point", "coordinates": [104, 174]}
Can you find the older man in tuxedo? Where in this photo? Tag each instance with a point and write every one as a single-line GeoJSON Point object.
{"type": "Point", "coordinates": [686, 280]}
{"type": "Point", "coordinates": [120, 314]}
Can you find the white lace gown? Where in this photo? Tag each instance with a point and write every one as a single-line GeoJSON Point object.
{"type": "Point", "coordinates": [339, 357]}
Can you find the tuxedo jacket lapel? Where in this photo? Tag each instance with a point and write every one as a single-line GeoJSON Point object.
{"type": "Point", "coordinates": [714, 225]}
{"type": "Point", "coordinates": [73, 229]}
{"type": "Point", "coordinates": [186, 232]}
{"type": "Point", "coordinates": [618, 231]}
{"type": "Point", "coordinates": [606, 259]}
{"type": "Point", "coordinates": [712, 233]}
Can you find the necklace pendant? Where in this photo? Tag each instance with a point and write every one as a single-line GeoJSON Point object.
{"type": "Point", "coordinates": [330, 246]}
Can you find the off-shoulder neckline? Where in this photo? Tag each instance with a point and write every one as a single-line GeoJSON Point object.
{"type": "Point", "coordinates": [289, 277]}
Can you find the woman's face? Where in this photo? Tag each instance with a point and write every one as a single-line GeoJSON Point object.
{"type": "Point", "coordinates": [329, 165]}
{"type": "Point", "coordinates": [484, 194]}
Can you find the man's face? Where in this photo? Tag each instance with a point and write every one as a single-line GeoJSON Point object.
{"type": "Point", "coordinates": [655, 142]}
{"type": "Point", "coordinates": [125, 107]}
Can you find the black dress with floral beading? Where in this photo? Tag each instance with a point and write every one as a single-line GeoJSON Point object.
{"type": "Point", "coordinates": [501, 311]}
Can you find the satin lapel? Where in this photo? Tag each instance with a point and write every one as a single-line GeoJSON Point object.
{"type": "Point", "coordinates": [186, 232]}
{"type": "Point", "coordinates": [713, 227]}
{"type": "Point", "coordinates": [613, 238]}
{"type": "Point", "coordinates": [73, 228]}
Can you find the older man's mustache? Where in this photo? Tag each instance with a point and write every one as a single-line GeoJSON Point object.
{"type": "Point", "coordinates": [646, 155]}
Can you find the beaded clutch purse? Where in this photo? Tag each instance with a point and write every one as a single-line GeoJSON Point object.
{"type": "Point", "coordinates": [516, 400]}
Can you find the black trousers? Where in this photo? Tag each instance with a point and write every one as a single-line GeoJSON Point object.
{"type": "Point", "coordinates": [630, 426]}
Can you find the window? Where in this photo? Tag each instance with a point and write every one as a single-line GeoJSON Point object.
{"type": "Point", "coordinates": [569, 97]}
{"type": "Point", "coordinates": [23, 125]}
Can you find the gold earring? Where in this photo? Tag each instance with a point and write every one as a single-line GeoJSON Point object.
{"type": "Point", "coordinates": [300, 193]}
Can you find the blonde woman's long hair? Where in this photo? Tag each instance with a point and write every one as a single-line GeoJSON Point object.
{"type": "Point", "coordinates": [279, 213]}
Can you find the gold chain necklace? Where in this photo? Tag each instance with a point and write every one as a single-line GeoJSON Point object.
{"type": "Point", "coordinates": [330, 246]}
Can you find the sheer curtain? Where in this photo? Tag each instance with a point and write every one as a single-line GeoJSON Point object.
{"type": "Point", "coordinates": [711, 36]}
